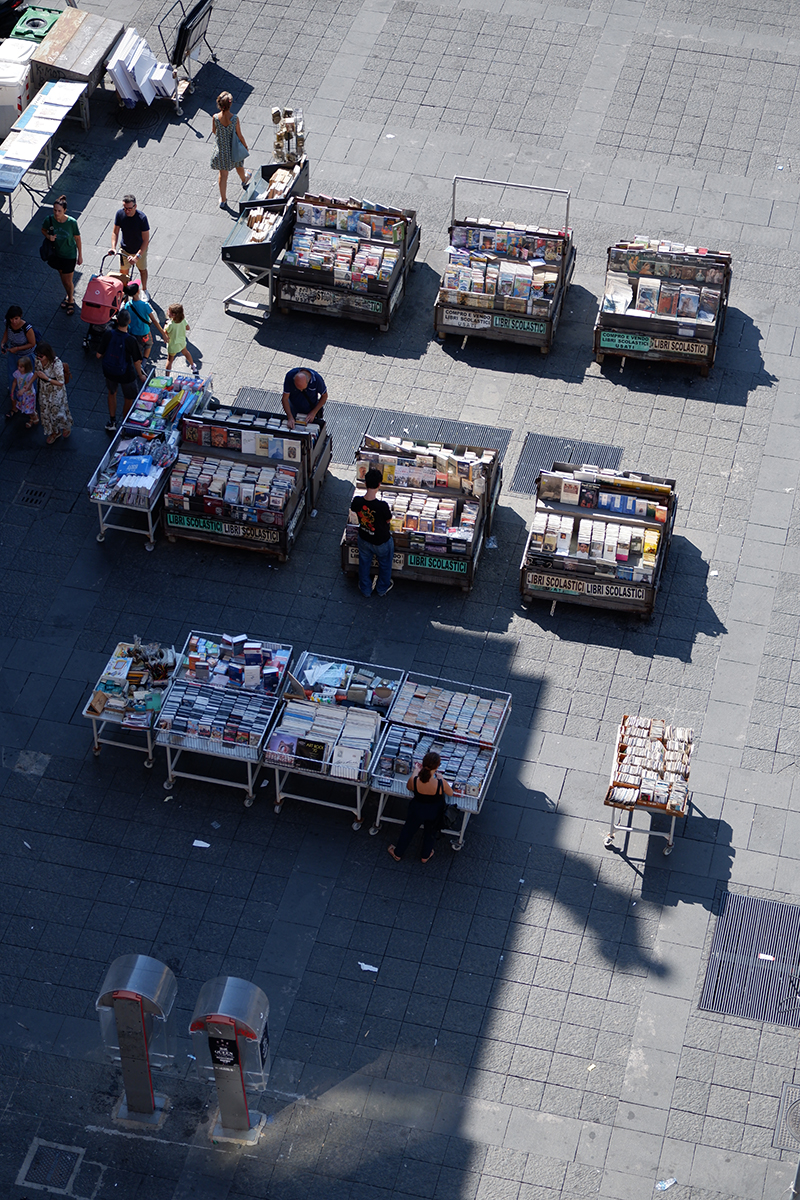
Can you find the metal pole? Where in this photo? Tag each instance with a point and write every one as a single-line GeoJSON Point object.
{"type": "Point", "coordinates": [795, 1188]}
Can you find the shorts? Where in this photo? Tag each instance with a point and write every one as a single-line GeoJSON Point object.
{"type": "Point", "coordinates": [125, 261]}
{"type": "Point", "coordinates": [130, 387]}
{"type": "Point", "coordinates": [64, 266]}
{"type": "Point", "coordinates": [144, 341]}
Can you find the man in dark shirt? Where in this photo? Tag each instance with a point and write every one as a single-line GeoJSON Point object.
{"type": "Point", "coordinates": [304, 391]}
{"type": "Point", "coordinates": [122, 363]}
{"type": "Point", "coordinates": [132, 237]}
{"type": "Point", "coordinates": [374, 537]}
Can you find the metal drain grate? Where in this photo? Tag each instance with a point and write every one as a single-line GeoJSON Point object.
{"type": "Point", "coordinates": [346, 424]}
{"type": "Point", "coordinates": [463, 433]}
{"type": "Point", "coordinates": [258, 400]}
{"type": "Point", "coordinates": [754, 968]}
{"type": "Point", "coordinates": [540, 451]}
{"type": "Point", "coordinates": [787, 1126]}
{"type": "Point", "coordinates": [50, 1167]}
{"type": "Point", "coordinates": [31, 496]}
{"type": "Point", "coordinates": [390, 423]}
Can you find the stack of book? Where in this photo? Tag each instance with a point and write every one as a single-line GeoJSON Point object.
{"type": "Point", "coordinates": [324, 737]}
{"type": "Point", "coordinates": [652, 765]}
{"type": "Point", "coordinates": [513, 268]}
{"type": "Point", "coordinates": [465, 767]}
{"type": "Point", "coordinates": [222, 719]}
{"type": "Point", "coordinates": [425, 524]}
{"type": "Point", "coordinates": [164, 401]}
{"type": "Point", "coordinates": [235, 661]}
{"type": "Point", "coordinates": [426, 464]}
{"type": "Point", "coordinates": [226, 488]}
{"type": "Point", "coordinates": [436, 708]}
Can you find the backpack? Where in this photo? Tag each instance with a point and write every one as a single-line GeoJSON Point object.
{"type": "Point", "coordinates": [115, 359]}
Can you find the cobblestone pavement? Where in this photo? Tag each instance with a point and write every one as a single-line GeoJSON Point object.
{"type": "Point", "coordinates": [532, 1031]}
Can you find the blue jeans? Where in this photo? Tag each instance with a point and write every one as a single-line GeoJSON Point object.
{"type": "Point", "coordinates": [384, 554]}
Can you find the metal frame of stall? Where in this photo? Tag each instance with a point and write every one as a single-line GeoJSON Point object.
{"type": "Point", "coordinates": [362, 786]}
{"type": "Point", "coordinates": [99, 722]}
{"type": "Point", "coordinates": [468, 806]}
{"type": "Point", "coordinates": [250, 755]}
{"type": "Point", "coordinates": [254, 262]}
{"type": "Point", "coordinates": [528, 330]}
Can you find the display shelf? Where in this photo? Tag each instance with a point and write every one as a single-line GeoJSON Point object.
{"type": "Point", "coordinates": [147, 432]}
{"type": "Point", "coordinates": [598, 538]}
{"type": "Point", "coordinates": [463, 712]}
{"type": "Point", "coordinates": [347, 259]}
{"type": "Point", "coordinates": [663, 301]}
{"type": "Point", "coordinates": [462, 482]}
{"type": "Point", "coordinates": [282, 179]}
{"type": "Point", "coordinates": [251, 251]}
{"type": "Point", "coordinates": [505, 281]}
{"type": "Point", "coordinates": [467, 766]}
{"type": "Point", "coordinates": [650, 773]}
{"type": "Point", "coordinates": [245, 479]}
{"type": "Point", "coordinates": [221, 705]}
{"type": "Point", "coordinates": [330, 725]}
{"type": "Point", "coordinates": [127, 697]}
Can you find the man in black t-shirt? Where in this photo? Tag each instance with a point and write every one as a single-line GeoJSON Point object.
{"type": "Point", "coordinates": [374, 536]}
{"type": "Point", "coordinates": [122, 363]}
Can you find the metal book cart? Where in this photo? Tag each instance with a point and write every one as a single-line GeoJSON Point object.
{"type": "Point", "coordinates": [119, 514]}
{"type": "Point", "coordinates": [110, 728]}
{"type": "Point", "coordinates": [384, 680]}
{"type": "Point", "coordinates": [253, 262]}
{"type": "Point", "coordinates": [660, 788]}
{"type": "Point", "coordinates": [529, 318]}
{"type": "Point", "coordinates": [406, 723]}
{"type": "Point", "coordinates": [192, 30]}
{"type": "Point", "coordinates": [177, 735]}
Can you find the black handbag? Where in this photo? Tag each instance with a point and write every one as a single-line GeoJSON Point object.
{"type": "Point", "coordinates": [47, 248]}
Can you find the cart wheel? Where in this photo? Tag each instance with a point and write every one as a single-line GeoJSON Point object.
{"type": "Point", "coordinates": [545, 349]}
{"type": "Point", "coordinates": [441, 336]}
{"type": "Point", "coordinates": [465, 588]}
{"type": "Point", "coordinates": [248, 801]}
{"type": "Point", "coordinates": [101, 537]}
{"type": "Point", "coordinates": [191, 87]}
{"type": "Point", "coordinates": [168, 784]}
{"type": "Point", "coordinates": [148, 762]}
{"type": "Point", "coordinates": [704, 372]}
{"type": "Point", "coordinates": [171, 538]}
{"type": "Point", "coordinates": [277, 807]}
{"type": "Point", "coordinates": [384, 328]}
{"type": "Point", "coordinates": [458, 846]}
{"type": "Point", "coordinates": [150, 546]}
{"type": "Point", "coordinates": [667, 850]}
{"type": "Point", "coordinates": [608, 842]}
{"type": "Point", "coordinates": [178, 110]}
{"type": "Point", "coordinates": [96, 751]}
{"type": "Point", "coordinates": [356, 826]}
{"type": "Point", "coordinates": [373, 829]}
{"type": "Point", "coordinates": [598, 358]}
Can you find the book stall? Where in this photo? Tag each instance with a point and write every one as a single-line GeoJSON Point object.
{"type": "Point", "coordinates": [347, 258]}
{"type": "Point", "coordinates": [598, 538]}
{"type": "Point", "coordinates": [663, 301]}
{"type": "Point", "coordinates": [329, 728]}
{"type": "Point", "coordinates": [273, 184]}
{"type": "Point", "coordinates": [129, 483]}
{"type": "Point", "coordinates": [463, 724]}
{"type": "Point", "coordinates": [220, 705]}
{"type": "Point", "coordinates": [651, 774]}
{"type": "Point", "coordinates": [243, 478]}
{"type": "Point", "coordinates": [127, 697]}
{"type": "Point", "coordinates": [251, 251]}
{"type": "Point", "coordinates": [505, 280]}
{"type": "Point", "coordinates": [443, 499]}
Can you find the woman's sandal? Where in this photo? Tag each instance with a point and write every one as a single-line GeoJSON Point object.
{"type": "Point", "coordinates": [11, 413]}
{"type": "Point", "coordinates": [69, 309]}
{"type": "Point", "coordinates": [394, 856]}
{"type": "Point", "coordinates": [53, 438]}
{"type": "Point", "coordinates": [64, 302]}
{"type": "Point", "coordinates": [428, 859]}
{"type": "Point", "coordinates": [33, 421]}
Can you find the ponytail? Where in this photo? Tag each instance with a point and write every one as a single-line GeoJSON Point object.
{"type": "Point", "coordinates": [430, 763]}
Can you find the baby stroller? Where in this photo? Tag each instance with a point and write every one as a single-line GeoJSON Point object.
{"type": "Point", "coordinates": [101, 303]}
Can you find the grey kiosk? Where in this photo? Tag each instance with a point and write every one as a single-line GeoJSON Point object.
{"type": "Point", "coordinates": [138, 1030]}
{"type": "Point", "coordinates": [230, 1033]}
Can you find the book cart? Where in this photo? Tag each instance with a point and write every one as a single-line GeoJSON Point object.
{"type": "Point", "coordinates": [251, 251]}
{"type": "Point", "coordinates": [663, 301]}
{"type": "Point", "coordinates": [330, 726]}
{"type": "Point", "coordinates": [347, 258]}
{"type": "Point", "coordinates": [462, 723]}
{"type": "Point", "coordinates": [598, 538]}
{"type": "Point", "coordinates": [243, 478]}
{"type": "Point", "coordinates": [273, 184]}
{"type": "Point", "coordinates": [443, 500]}
{"type": "Point", "coordinates": [505, 281]}
{"type": "Point", "coordinates": [650, 774]}
{"type": "Point", "coordinates": [127, 697]}
{"type": "Point", "coordinates": [220, 706]}
{"type": "Point", "coordinates": [129, 482]}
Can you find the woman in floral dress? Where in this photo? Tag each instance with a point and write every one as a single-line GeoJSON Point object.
{"type": "Point", "coordinates": [53, 408]}
{"type": "Point", "coordinates": [224, 124]}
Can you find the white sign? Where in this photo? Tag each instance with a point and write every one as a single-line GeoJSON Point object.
{"type": "Point", "coordinates": [464, 319]}
{"type": "Point", "coordinates": [585, 587]}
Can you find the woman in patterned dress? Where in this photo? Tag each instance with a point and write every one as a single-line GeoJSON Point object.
{"type": "Point", "coordinates": [55, 415]}
{"type": "Point", "coordinates": [223, 126]}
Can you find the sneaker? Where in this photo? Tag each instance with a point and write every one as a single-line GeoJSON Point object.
{"type": "Point", "coordinates": [223, 203]}
{"type": "Point", "coordinates": [143, 295]}
{"type": "Point", "coordinates": [374, 583]}
{"type": "Point", "coordinates": [248, 175]}
{"type": "Point", "coordinates": [386, 593]}
{"type": "Point", "coordinates": [111, 425]}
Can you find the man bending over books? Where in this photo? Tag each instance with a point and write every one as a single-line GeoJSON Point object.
{"type": "Point", "coordinates": [304, 394]}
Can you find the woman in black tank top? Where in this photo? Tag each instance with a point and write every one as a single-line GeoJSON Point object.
{"type": "Point", "coordinates": [426, 808]}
